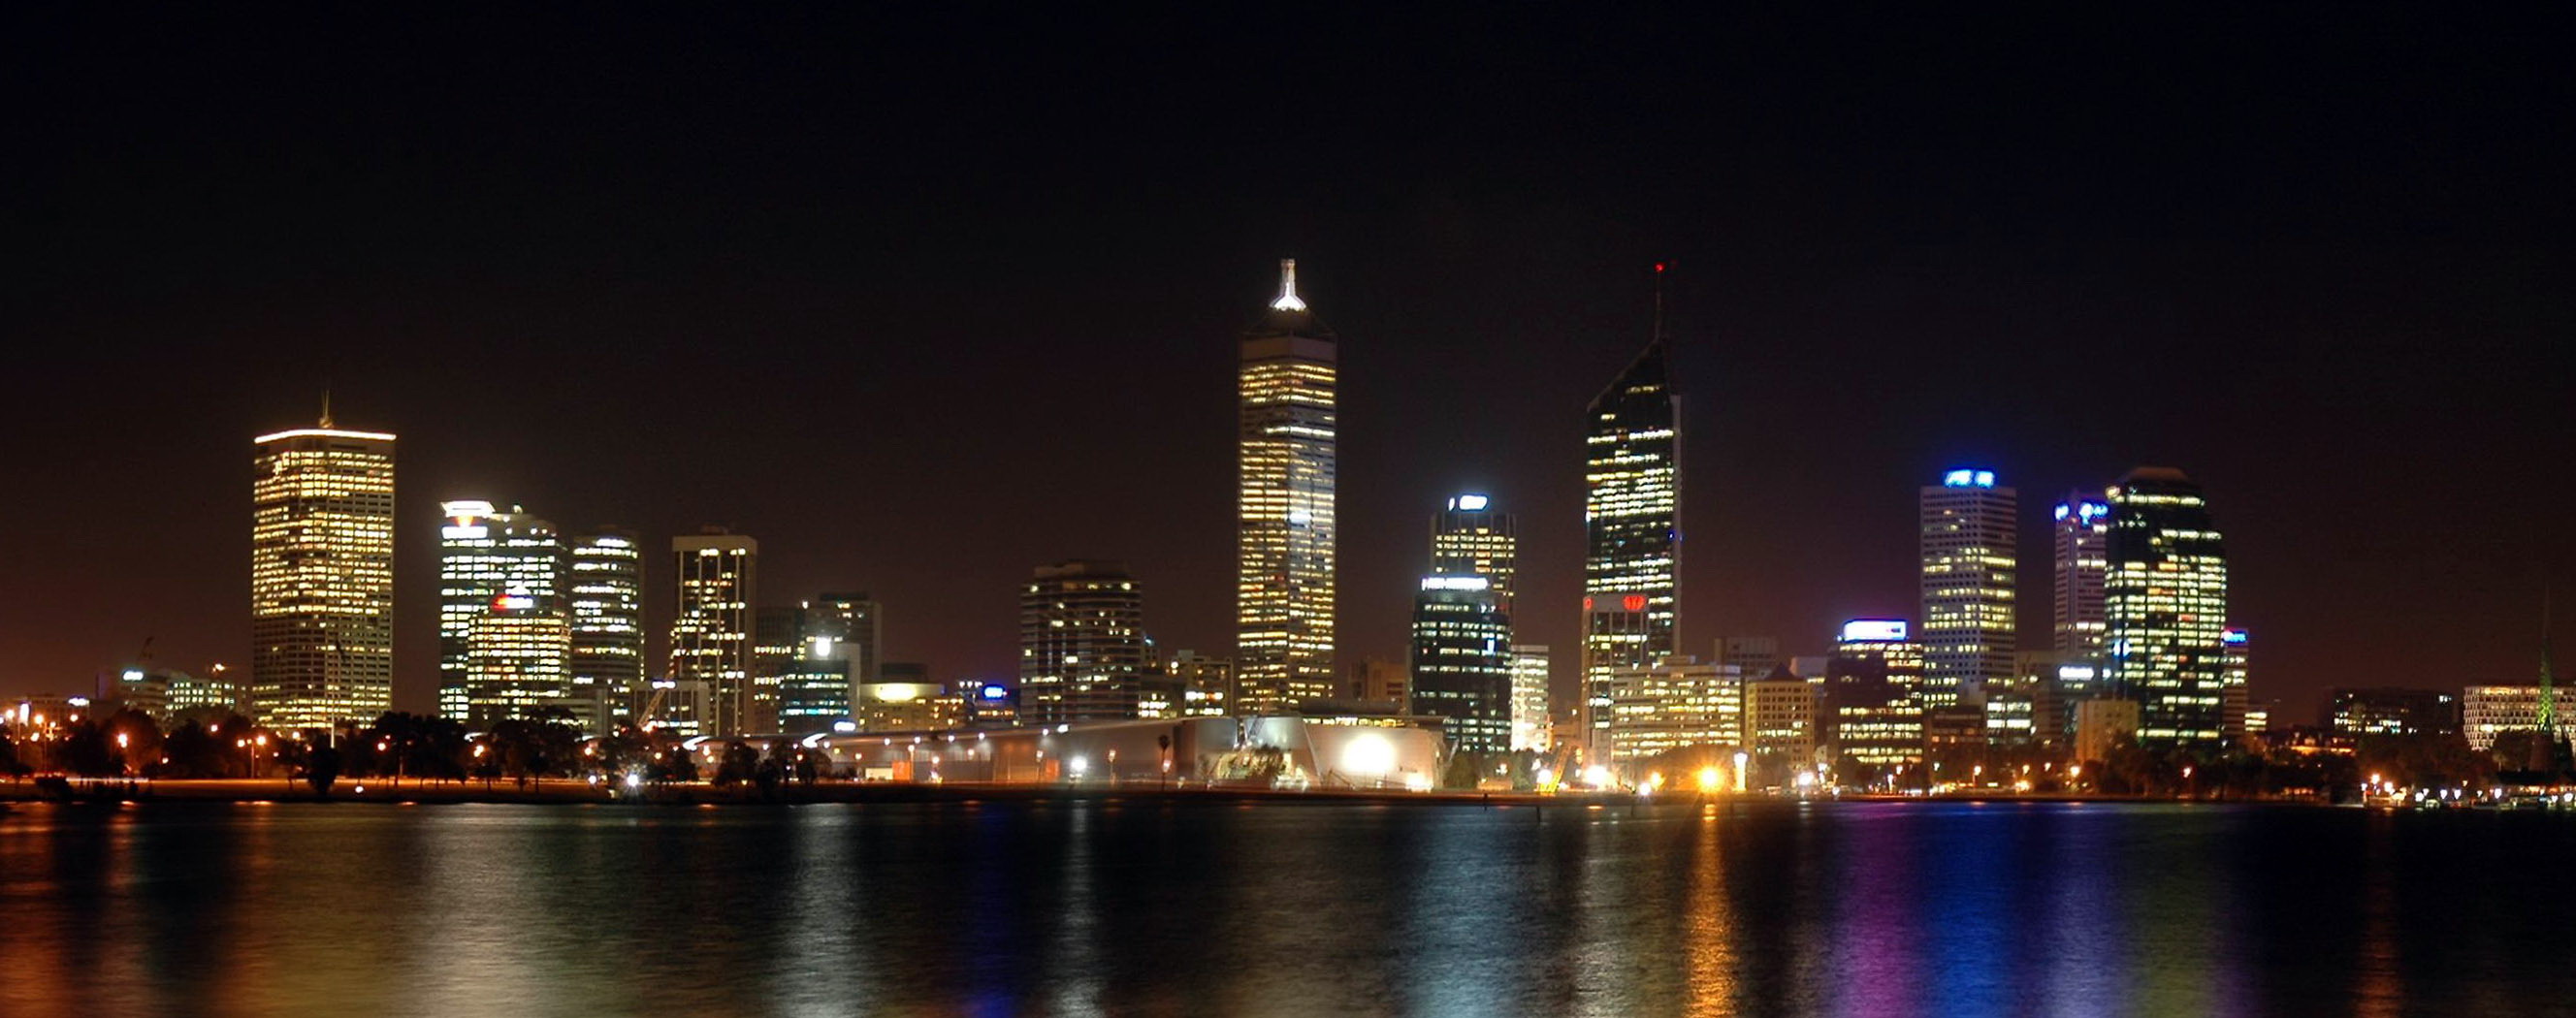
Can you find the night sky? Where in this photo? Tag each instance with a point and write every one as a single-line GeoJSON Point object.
{"type": "Point", "coordinates": [923, 296]}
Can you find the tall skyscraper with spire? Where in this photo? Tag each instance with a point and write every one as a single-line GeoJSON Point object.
{"type": "Point", "coordinates": [2165, 609]}
{"type": "Point", "coordinates": [322, 575]}
{"type": "Point", "coordinates": [1284, 505]}
{"type": "Point", "coordinates": [1632, 525]}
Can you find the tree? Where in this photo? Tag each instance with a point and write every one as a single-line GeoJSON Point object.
{"type": "Point", "coordinates": [321, 768]}
{"type": "Point", "coordinates": [740, 763]}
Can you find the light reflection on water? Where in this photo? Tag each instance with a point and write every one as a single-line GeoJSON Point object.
{"type": "Point", "coordinates": [1148, 907]}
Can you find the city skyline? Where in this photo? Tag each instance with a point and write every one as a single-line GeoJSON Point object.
{"type": "Point", "coordinates": [1827, 329]}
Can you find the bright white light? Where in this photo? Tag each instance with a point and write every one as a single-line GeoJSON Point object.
{"type": "Point", "coordinates": [1368, 753]}
{"type": "Point", "coordinates": [1288, 288]}
{"type": "Point", "coordinates": [634, 781]}
{"type": "Point", "coordinates": [1077, 765]}
{"type": "Point", "coordinates": [1597, 776]}
{"type": "Point", "coordinates": [1456, 583]}
{"type": "Point", "coordinates": [1469, 503]}
{"type": "Point", "coordinates": [133, 675]}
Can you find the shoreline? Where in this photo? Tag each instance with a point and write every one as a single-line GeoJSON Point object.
{"type": "Point", "coordinates": [568, 792]}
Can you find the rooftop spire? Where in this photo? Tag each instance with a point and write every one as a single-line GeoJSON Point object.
{"type": "Point", "coordinates": [326, 406]}
{"type": "Point", "coordinates": [1659, 302]}
{"type": "Point", "coordinates": [1288, 288]}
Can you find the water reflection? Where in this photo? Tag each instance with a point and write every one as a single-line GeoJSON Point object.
{"type": "Point", "coordinates": [1155, 908]}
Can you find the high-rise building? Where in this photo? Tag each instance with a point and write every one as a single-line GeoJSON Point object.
{"type": "Point", "coordinates": [2489, 711]}
{"type": "Point", "coordinates": [1529, 697]}
{"type": "Point", "coordinates": [322, 576]}
{"type": "Point", "coordinates": [2164, 609]}
{"type": "Point", "coordinates": [1207, 683]}
{"type": "Point", "coordinates": [1872, 711]}
{"type": "Point", "coordinates": [1680, 703]}
{"type": "Point", "coordinates": [1968, 631]}
{"type": "Point", "coordinates": [1632, 527]}
{"type": "Point", "coordinates": [1285, 509]}
{"type": "Point", "coordinates": [1472, 538]}
{"type": "Point", "coordinates": [855, 623]}
{"type": "Point", "coordinates": [2080, 534]}
{"type": "Point", "coordinates": [717, 575]}
{"type": "Point", "coordinates": [2234, 698]}
{"type": "Point", "coordinates": [517, 654]}
{"type": "Point", "coordinates": [485, 554]}
{"type": "Point", "coordinates": [606, 598]}
{"type": "Point", "coordinates": [801, 652]}
{"type": "Point", "coordinates": [1780, 716]}
{"type": "Point", "coordinates": [1082, 643]}
{"type": "Point", "coordinates": [1462, 662]}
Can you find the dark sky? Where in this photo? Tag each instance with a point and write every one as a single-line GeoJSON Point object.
{"type": "Point", "coordinates": [925, 295]}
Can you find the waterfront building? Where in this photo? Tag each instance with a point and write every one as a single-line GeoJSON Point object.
{"type": "Point", "coordinates": [1679, 703]}
{"type": "Point", "coordinates": [1780, 714]}
{"type": "Point", "coordinates": [141, 689]}
{"type": "Point", "coordinates": [484, 553]}
{"type": "Point", "coordinates": [2103, 725]}
{"type": "Point", "coordinates": [2389, 710]}
{"type": "Point", "coordinates": [1462, 662]}
{"type": "Point", "coordinates": [517, 654]}
{"type": "Point", "coordinates": [2165, 609]}
{"type": "Point", "coordinates": [210, 693]}
{"type": "Point", "coordinates": [605, 597]}
{"type": "Point", "coordinates": [988, 704]}
{"type": "Point", "coordinates": [1872, 707]}
{"type": "Point", "coordinates": [1530, 729]}
{"type": "Point", "coordinates": [1206, 683]}
{"type": "Point", "coordinates": [855, 623]}
{"type": "Point", "coordinates": [1968, 568]}
{"type": "Point", "coordinates": [1082, 643]}
{"type": "Point", "coordinates": [1632, 527]}
{"type": "Point", "coordinates": [2489, 711]}
{"type": "Point", "coordinates": [2056, 681]}
{"type": "Point", "coordinates": [322, 576]}
{"type": "Point", "coordinates": [799, 652]}
{"type": "Point", "coordinates": [2080, 534]}
{"type": "Point", "coordinates": [2011, 713]}
{"type": "Point", "coordinates": [2234, 698]}
{"type": "Point", "coordinates": [1285, 506]}
{"type": "Point", "coordinates": [711, 640]}
{"type": "Point", "coordinates": [904, 699]}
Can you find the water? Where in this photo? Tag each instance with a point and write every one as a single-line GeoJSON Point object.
{"type": "Point", "coordinates": [1153, 908]}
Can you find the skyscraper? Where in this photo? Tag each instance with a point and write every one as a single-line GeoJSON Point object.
{"type": "Point", "coordinates": [516, 661]}
{"type": "Point", "coordinates": [485, 554]}
{"type": "Point", "coordinates": [2234, 698]}
{"type": "Point", "coordinates": [1462, 662]}
{"type": "Point", "coordinates": [1968, 566]}
{"type": "Point", "coordinates": [2082, 526]}
{"type": "Point", "coordinates": [1873, 697]}
{"type": "Point", "coordinates": [1284, 510]}
{"type": "Point", "coordinates": [607, 614]}
{"type": "Point", "coordinates": [322, 576]}
{"type": "Point", "coordinates": [1472, 538]}
{"type": "Point", "coordinates": [1082, 643]}
{"type": "Point", "coordinates": [1529, 697]}
{"type": "Point", "coordinates": [2164, 608]}
{"type": "Point", "coordinates": [1632, 526]}
{"type": "Point", "coordinates": [717, 576]}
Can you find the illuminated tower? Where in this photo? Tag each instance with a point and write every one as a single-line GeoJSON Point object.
{"type": "Point", "coordinates": [1632, 525]}
{"type": "Point", "coordinates": [484, 553]}
{"type": "Point", "coordinates": [322, 576]}
{"type": "Point", "coordinates": [516, 653]}
{"type": "Point", "coordinates": [2081, 527]}
{"type": "Point", "coordinates": [1968, 634]}
{"type": "Point", "coordinates": [1471, 538]}
{"type": "Point", "coordinates": [607, 615]}
{"type": "Point", "coordinates": [1284, 507]}
{"type": "Point", "coordinates": [1082, 644]}
{"type": "Point", "coordinates": [711, 630]}
{"type": "Point", "coordinates": [2164, 609]}
{"type": "Point", "coordinates": [1462, 662]}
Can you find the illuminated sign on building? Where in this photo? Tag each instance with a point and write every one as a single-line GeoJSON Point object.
{"type": "Point", "coordinates": [1874, 631]}
{"type": "Point", "coordinates": [1969, 479]}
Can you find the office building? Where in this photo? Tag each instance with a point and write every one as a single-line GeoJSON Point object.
{"type": "Point", "coordinates": [1377, 680]}
{"type": "Point", "coordinates": [484, 554]}
{"type": "Point", "coordinates": [1780, 712]}
{"type": "Point", "coordinates": [1462, 662]}
{"type": "Point", "coordinates": [1632, 527]}
{"type": "Point", "coordinates": [1082, 643]}
{"type": "Point", "coordinates": [2489, 711]}
{"type": "Point", "coordinates": [1472, 538]}
{"type": "Point", "coordinates": [2080, 534]}
{"type": "Point", "coordinates": [214, 692]}
{"type": "Point", "coordinates": [2234, 698]}
{"type": "Point", "coordinates": [517, 663]}
{"type": "Point", "coordinates": [2102, 726]}
{"type": "Point", "coordinates": [2389, 710]}
{"type": "Point", "coordinates": [1530, 729]}
{"type": "Point", "coordinates": [1285, 507]}
{"type": "Point", "coordinates": [1206, 683]}
{"type": "Point", "coordinates": [855, 623]}
{"type": "Point", "coordinates": [2164, 609]}
{"type": "Point", "coordinates": [717, 575]}
{"type": "Point", "coordinates": [1754, 655]}
{"type": "Point", "coordinates": [1968, 632]}
{"type": "Point", "coordinates": [1680, 703]}
{"type": "Point", "coordinates": [605, 599]}
{"type": "Point", "coordinates": [322, 576]}
{"type": "Point", "coordinates": [1872, 708]}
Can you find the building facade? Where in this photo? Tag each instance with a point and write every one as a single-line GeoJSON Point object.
{"type": "Point", "coordinates": [1082, 643]}
{"type": "Point", "coordinates": [2164, 609]}
{"type": "Point", "coordinates": [2389, 710]}
{"type": "Point", "coordinates": [604, 597]}
{"type": "Point", "coordinates": [1969, 627]}
{"type": "Point", "coordinates": [517, 663]}
{"type": "Point", "coordinates": [322, 576]}
{"type": "Point", "coordinates": [2489, 711]}
{"type": "Point", "coordinates": [485, 554]}
{"type": "Point", "coordinates": [1680, 703]}
{"type": "Point", "coordinates": [1462, 662]}
{"type": "Point", "coordinates": [2079, 533]}
{"type": "Point", "coordinates": [1472, 538]}
{"type": "Point", "coordinates": [1530, 729]}
{"type": "Point", "coordinates": [1284, 514]}
{"type": "Point", "coordinates": [1206, 683]}
{"type": "Point", "coordinates": [718, 576]}
{"type": "Point", "coordinates": [1872, 707]}
{"type": "Point", "coordinates": [1632, 529]}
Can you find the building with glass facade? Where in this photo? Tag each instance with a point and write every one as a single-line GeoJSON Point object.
{"type": "Point", "coordinates": [1206, 683]}
{"type": "Point", "coordinates": [1872, 707]}
{"type": "Point", "coordinates": [1470, 537]}
{"type": "Point", "coordinates": [2489, 711]}
{"type": "Point", "coordinates": [1969, 567]}
{"type": "Point", "coordinates": [2079, 533]}
{"type": "Point", "coordinates": [484, 553]}
{"type": "Point", "coordinates": [1632, 529]}
{"type": "Point", "coordinates": [517, 663]}
{"type": "Point", "coordinates": [2164, 609]}
{"type": "Point", "coordinates": [1082, 643]}
{"type": "Point", "coordinates": [1462, 662]}
{"type": "Point", "coordinates": [1530, 697]}
{"type": "Point", "coordinates": [1679, 703]}
{"type": "Point", "coordinates": [717, 576]}
{"type": "Point", "coordinates": [322, 576]}
{"type": "Point", "coordinates": [1284, 510]}
{"type": "Point", "coordinates": [605, 600]}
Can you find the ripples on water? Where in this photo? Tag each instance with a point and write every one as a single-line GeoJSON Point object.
{"type": "Point", "coordinates": [1144, 907]}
